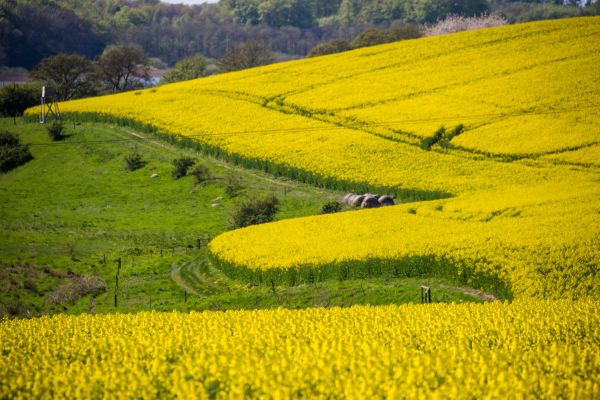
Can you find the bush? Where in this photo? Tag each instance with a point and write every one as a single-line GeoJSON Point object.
{"type": "Point", "coordinates": [181, 166]}
{"type": "Point", "coordinates": [55, 131]}
{"type": "Point", "coordinates": [330, 47]}
{"type": "Point", "coordinates": [201, 173]}
{"type": "Point", "coordinates": [12, 152]}
{"type": "Point", "coordinates": [233, 186]}
{"type": "Point", "coordinates": [134, 161]}
{"type": "Point", "coordinates": [331, 207]}
{"type": "Point", "coordinates": [375, 36]}
{"type": "Point", "coordinates": [254, 211]}
{"type": "Point", "coordinates": [427, 142]}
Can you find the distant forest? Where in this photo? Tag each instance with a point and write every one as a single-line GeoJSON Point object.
{"type": "Point", "coordinates": [31, 30]}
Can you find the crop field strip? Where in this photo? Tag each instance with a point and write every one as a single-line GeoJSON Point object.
{"type": "Point", "coordinates": [528, 349]}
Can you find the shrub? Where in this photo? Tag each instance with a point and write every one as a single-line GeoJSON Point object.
{"type": "Point", "coordinates": [181, 166]}
{"type": "Point", "coordinates": [12, 152]}
{"type": "Point", "coordinates": [254, 211]}
{"type": "Point", "coordinates": [375, 36]}
{"type": "Point", "coordinates": [431, 140]}
{"type": "Point", "coordinates": [330, 47]}
{"type": "Point", "coordinates": [55, 131]}
{"type": "Point", "coordinates": [457, 23]}
{"type": "Point", "coordinates": [445, 140]}
{"type": "Point", "coordinates": [331, 207]}
{"type": "Point", "coordinates": [233, 186]}
{"type": "Point", "coordinates": [134, 161]}
{"type": "Point", "coordinates": [201, 173]}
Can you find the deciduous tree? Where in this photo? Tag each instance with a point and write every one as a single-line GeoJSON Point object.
{"type": "Point", "coordinates": [186, 69]}
{"type": "Point", "coordinates": [15, 99]}
{"type": "Point", "coordinates": [123, 67]}
{"type": "Point", "coordinates": [65, 73]}
{"type": "Point", "coordinates": [245, 55]}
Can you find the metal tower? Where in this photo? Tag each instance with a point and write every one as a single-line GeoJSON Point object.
{"type": "Point", "coordinates": [49, 105]}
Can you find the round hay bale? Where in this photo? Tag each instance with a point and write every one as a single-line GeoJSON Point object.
{"type": "Point", "coordinates": [357, 200]}
{"type": "Point", "coordinates": [386, 200]}
{"type": "Point", "coordinates": [346, 199]}
{"type": "Point", "coordinates": [370, 202]}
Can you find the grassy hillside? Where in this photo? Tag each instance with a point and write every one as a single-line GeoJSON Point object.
{"type": "Point", "coordinates": [503, 120]}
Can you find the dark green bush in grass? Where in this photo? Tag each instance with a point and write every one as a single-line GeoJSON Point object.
{"type": "Point", "coordinates": [12, 152]}
{"type": "Point", "coordinates": [181, 166]}
{"type": "Point", "coordinates": [232, 186]}
{"type": "Point", "coordinates": [252, 211]}
{"type": "Point", "coordinates": [200, 173]}
{"type": "Point", "coordinates": [134, 161]}
{"type": "Point", "coordinates": [55, 130]}
{"type": "Point", "coordinates": [331, 207]}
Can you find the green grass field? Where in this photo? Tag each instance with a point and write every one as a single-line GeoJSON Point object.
{"type": "Point", "coordinates": [74, 210]}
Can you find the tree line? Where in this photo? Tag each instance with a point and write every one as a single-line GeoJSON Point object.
{"type": "Point", "coordinates": [31, 30]}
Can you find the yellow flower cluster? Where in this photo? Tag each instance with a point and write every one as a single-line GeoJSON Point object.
{"type": "Point", "coordinates": [541, 349]}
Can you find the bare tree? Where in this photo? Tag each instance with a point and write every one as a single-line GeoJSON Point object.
{"type": "Point", "coordinates": [123, 67]}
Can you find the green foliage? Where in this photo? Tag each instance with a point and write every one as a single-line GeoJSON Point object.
{"type": "Point", "coordinates": [245, 55]}
{"type": "Point", "coordinates": [67, 74]}
{"type": "Point", "coordinates": [123, 67]}
{"type": "Point", "coordinates": [33, 30]}
{"type": "Point", "coordinates": [330, 47]}
{"type": "Point", "coordinates": [532, 11]}
{"type": "Point", "coordinates": [375, 36]}
{"type": "Point", "coordinates": [331, 207]}
{"type": "Point", "coordinates": [181, 166]}
{"type": "Point", "coordinates": [12, 152]}
{"type": "Point", "coordinates": [15, 99]}
{"type": "Point", "coordinates": [186, 69]}
{"type": "Point", "coordinates": [253, 210]}
{"type": "Point", "coordinates": [134, 160]}
{"type": "Point", "coordinates": [280, 13]}
{"type": "Point", "coordinates": [201, 173]}
{"type": "Point", "coordinates": [55, 130]}
{"type": "Point", "coordinates": [232, 186]}
{"type": "Point", "coordinates": [441, 137]}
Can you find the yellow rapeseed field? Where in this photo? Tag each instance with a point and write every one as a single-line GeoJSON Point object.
{"type": "Point", "coordinates": [528, 349]}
